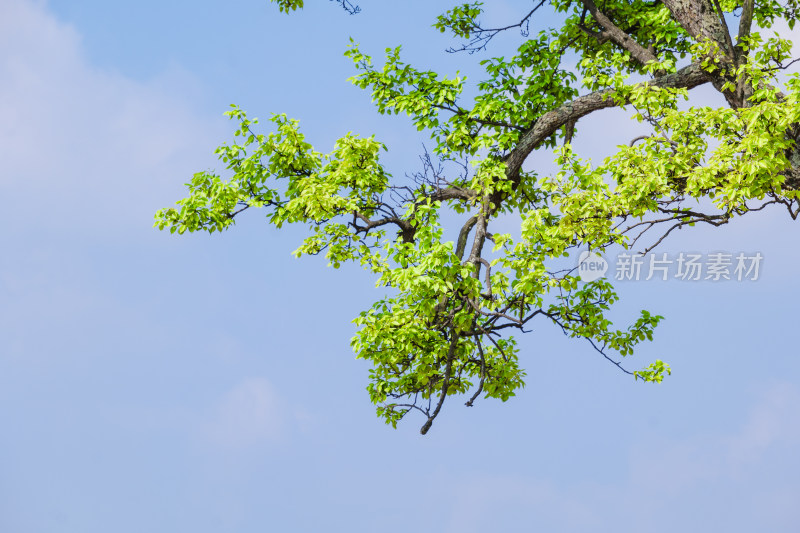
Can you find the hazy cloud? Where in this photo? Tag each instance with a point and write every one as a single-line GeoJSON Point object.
{"type": "Point", "coordinates": [250, 414]}
{"type": "Point", "coordinates": [84, 147]}
{"type": "Point", "coordinates": [666, 479]}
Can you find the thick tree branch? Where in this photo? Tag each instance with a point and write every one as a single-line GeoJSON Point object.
{"type": "Point", "coordinates": [452, 193]}
{"type": "Point", "coordinates": [462, 236]}
{"type": "Point", "coordinates": [687, 77]}
{"type": "Point", "coordinates": [726, 31]}
{"type": "Point", "coordinates": [746, 21]}
{"type": "Point", "coordinates": [617, 36]}
{"type": "Point", "coordinates": [406, 229]}
{"type": "Point", "coordinates": [701, 21]}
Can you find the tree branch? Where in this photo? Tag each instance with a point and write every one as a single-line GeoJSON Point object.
{"type": "Point", "coordinates": [687, 77]}
{"type": "Point", "coordinates": [617, 36]}
{"type": "Point", "coordinates": [482, 36]}
{"type": "Point", "coordinates": [451, 353]}
{"type": "Point", "coordinates": [746, 22]}
{"type": "Point", "coordinates": [700, 20]}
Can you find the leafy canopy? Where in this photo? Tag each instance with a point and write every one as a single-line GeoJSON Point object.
{"type": "Point", "coordinates": [444, 327]}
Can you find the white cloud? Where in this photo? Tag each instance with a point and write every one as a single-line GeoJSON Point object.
{"type": "Point", "coordinates": [671, 484]}
{"type": "Point", "coordinates": [82, 147]}
{"type": "Point", "coordinates": [673, 466]}
{"type": "Point", "coordinates": [774, 419]}
{"type": "Point", "coordinates": [251, 414]}
{"type": "Point", "coordinates": [86, 158]}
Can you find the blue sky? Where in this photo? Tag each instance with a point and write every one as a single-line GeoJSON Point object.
{"type": "Point", "coordinates": [150, 382]}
